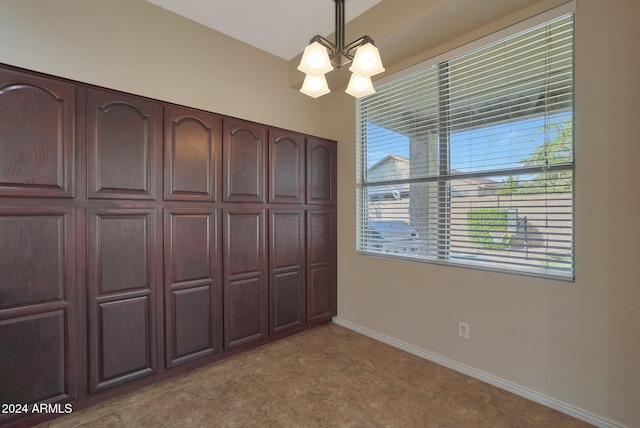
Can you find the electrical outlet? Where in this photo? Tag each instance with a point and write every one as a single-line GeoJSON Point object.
{"type": "Point", "coordinates": [463, 330]}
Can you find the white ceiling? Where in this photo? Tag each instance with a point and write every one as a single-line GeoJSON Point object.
{"type": "Point", "coordinates": [281, 27]}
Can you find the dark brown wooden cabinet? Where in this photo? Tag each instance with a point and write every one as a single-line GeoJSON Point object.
{"type": "Point", "coordinates": [193, 291]}
{"type": "Point", "coordinates": [287, 293]}
{"type": "Point", "coordinates": [37, 311]}
{"type": "Point", "coordinates": [122, 292]}
{"type": "Point", "coordinates": [321, 265]}
{"type": "Point", "coordinates": [287, 167]}
{"type": "Point", "coordinates": [192, 153]}
{"type": "Point", "coordinates": [38, 330]}
{"type": "Point", "coordinates": [321, 171]}
{"type": "Point", "coordinates": [142, 239]}
{"type": "Point", "coordinates": [123, 149]}
{"type": "Point", "coordinates": [245, 282]}
{"type": "Point", "coordinates": [36, 136]}
{"type": "Point", "coordinates": [244, 154]}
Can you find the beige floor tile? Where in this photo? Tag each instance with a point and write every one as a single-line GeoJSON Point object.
{"type": "Point", "coordinates": [326, 377]}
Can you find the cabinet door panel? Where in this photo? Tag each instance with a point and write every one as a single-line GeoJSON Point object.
{"type": "Point", "coordinates": [123, 253]}
{"type": "Point", "coordinates": [320, 292]}
{"type": "Point", "coordinates": [192, 154]}
{"type": "Point", "coordinates": [287, 301]}
{"type": "Point", "coordinates": [319, 237]}
{"type": "Point", "coordinates": [244, 311]}
{"type": "Point", "coordinates": [123, 146]}
{"type": "Point", "coordinates": [124, 340]}
{"type": "Point", "coordinates": [37, 319]}
{"type": "Point", "coordinates": [193, 294]}
{"type": "Point", "coordinates": [194, 332]}
{"type": "Point", "coordinates": [121, 292]}
{"type": "Point", "coordinates": [245, 291]}
{"type": "Point", "coordinates": [32, 256]}
{"type": "Point", "coordinates": [286, 267]}
{"type": "Point", "coordinates": [36, 137]}
{"type": "Point", "coordinates": [321, 171]}
{"type": "Point", "coordinates": [33, 359]}
{"type": "Point", "coordinates": [321, 275]}
{"type": "Point", "coordinates": [191, 245]}
{"type": "Point", "coordinates": [244, 242]}
{"type": "Point", "coordinates": [286, 167]}
{"type": "Point", "coordinates": [244, 161]}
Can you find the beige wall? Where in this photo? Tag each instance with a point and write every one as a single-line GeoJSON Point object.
{"type": "Point", "coordinates": [576, 342]}
{"type": "Point", "coordinates": [135, 46]}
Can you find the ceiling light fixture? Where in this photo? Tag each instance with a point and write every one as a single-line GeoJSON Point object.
{"type": "Point", "coordinates": [321, 56]}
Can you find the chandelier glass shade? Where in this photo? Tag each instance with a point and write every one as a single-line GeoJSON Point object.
{"type": "Point", "coordinates": [315, 60]}
{"type": "Point", "coordinates": [367, 61]}
{"type": "Point", "coordinates": [315, 85]}
{"type": "Point", "coordinates": [360, 86]}
{"type": "Point", "coordinates": [321, 56]}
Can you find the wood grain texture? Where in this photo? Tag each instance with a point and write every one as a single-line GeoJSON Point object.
{"type": "Point", "coordinates": [37, 305]}
{"type": "Point", "coordinates": [193, 150]}
{"type": "Point", "coordinates": [193, 289]}
{"type": "Point", "coordinates": [244, 146]}
{"type": "Point", "coordinates": [286, 167]}
{"type": "Point", "coordinates": [286, 269]}
{"type": "Point", "coordinates": [36, 138]}
{"type": "Point", "coordinates": [121, 291]}
{"type": "Point", "coordinates": [245, 285]}
{"type": "Point", "coordinates": [321, 171]}
{"type": "Point", "coordinates": [123, 145]}
{"type": "Point", "coordinates": [320, 265]}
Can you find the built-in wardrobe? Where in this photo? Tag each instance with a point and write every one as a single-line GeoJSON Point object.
{"type": "Point", "coordinates": [141, 239]}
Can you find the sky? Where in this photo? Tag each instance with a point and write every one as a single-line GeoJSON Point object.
{"type": "Point", "coordinates": [481, 149]}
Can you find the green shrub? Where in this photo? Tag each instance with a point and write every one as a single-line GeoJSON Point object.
{"type": "Point", "coordinates": [483, 221]}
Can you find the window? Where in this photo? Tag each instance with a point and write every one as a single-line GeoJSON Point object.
{"type": "Point", "coordinates": [470, 160]}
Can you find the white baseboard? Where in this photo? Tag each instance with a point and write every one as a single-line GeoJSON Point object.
{"type": "Point", "coordinates": [527, 393]}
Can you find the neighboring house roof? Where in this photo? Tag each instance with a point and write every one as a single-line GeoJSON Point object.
{"type": "Point", "coordinates": [395, 167]}
{"type": "Point", "coordinates": [386, 159]}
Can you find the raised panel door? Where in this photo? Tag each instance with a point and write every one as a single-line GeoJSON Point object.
{"type": "Point", "coordinates": [244, 154]}
{"type": "Point", "coordinates": [245, 288]}
{"type": "Point", "coordinates": [286, 270]}
{"type": "Point", "coordinates": [192, 154]}
{"type": "Point", "coordinates": [36, 136]}
{"type": "Point", "coordinates": [193, 292]}
{"type": "Point", "coordinates": [123, 341]}
{"type": "Point", "coordinates": [122, 288]}
{"type": "Point", "coordinates": [37, 316]}
{"type": "Point", "coordinates": [33, 358]}
{"type": "Point", "coordinates": [321, 273]}
{"type": "Point", "coordinates": [286, 167]}
{"type": "Point", "coordinates": [123, 147]}
{"type": "Point", "coordinates": [321, 171]}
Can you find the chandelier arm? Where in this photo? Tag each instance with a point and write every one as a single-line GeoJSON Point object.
{"type": "Point", "coordinates": [356, 44]}
{"type": "Point", "coordinates": [326, 43]}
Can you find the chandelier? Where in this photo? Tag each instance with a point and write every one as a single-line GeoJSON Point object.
{"type": "Point", "coordinates": [321, 56]}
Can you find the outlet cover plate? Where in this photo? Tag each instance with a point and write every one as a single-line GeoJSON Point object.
{"type": "Point", "coordinates": [463, 330]}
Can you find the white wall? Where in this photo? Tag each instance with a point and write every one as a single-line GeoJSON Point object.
{"type": "Point", "coordinates": [137, 47]}
{"type": "Point", "coordinates": [578, 342]}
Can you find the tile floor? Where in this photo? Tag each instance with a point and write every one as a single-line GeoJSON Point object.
{"type": "Point", "coordinates": [326, 377]}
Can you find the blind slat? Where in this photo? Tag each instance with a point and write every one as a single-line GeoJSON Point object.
{"type": "Point", "coordinates": [471, 161]}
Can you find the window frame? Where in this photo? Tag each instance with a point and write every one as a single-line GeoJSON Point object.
{"type": "Point", "coordinates": [445, 176]}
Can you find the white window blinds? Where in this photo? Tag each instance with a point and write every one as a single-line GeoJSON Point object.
{"type": "Point", "coordinates": [470, 161]}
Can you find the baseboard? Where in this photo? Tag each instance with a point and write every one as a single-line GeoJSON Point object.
{"type": "Point", "coordinates": [527, 393]}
